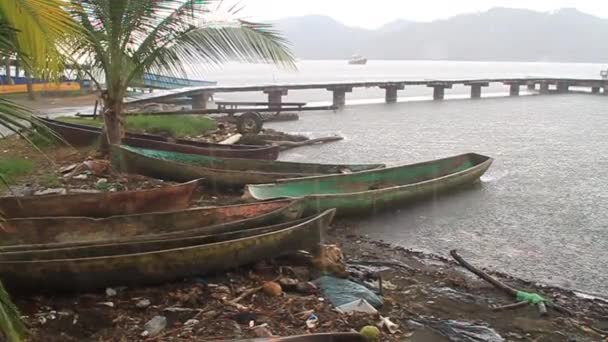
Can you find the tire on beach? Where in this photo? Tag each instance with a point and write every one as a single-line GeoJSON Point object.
{"type": "Point", "coordinates": [249, 123]}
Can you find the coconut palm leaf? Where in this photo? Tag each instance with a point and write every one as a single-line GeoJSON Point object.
{"type": "Point", "coordinates": [131, 37]}
{"type": "Point", "coordinates": [41, 26]}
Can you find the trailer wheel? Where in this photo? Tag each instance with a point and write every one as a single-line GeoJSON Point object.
{"type": "Point", "coordinates": [249, 123]}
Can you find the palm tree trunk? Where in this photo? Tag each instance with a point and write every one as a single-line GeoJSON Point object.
{"type": "Point", "coordinates": [7, 67]}
{"type": "Point", "coordinates": [113, 124]}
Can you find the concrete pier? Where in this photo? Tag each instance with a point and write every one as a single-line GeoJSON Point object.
{"type": "Point", "coordinates": [199, 101]}
{"type": "Point", "coordinates": [544, 87]}
{"type": "Point", "coordinates": [200, 94]}
{"type": "Point", "coordinates": [339, 95]}
{"type": "Point", "coordinates": [275, 97]}
{"type": "Point", "coordinates": [439, 89]}
{"type": "Point", "coordinates": [391, 92]}
{"type": "Point", "coordinates": [476, 88]}
{"type": "Point", "coordinates": [563, 87]}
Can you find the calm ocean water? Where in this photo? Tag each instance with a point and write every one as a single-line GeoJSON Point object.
{"type": "Point", "coordinates": [541, 211]}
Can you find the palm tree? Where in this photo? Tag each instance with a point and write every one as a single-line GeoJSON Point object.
{"type": "Point", "coordinates": [130, 37]}
{"type": "Point", "coordinates": [31, 29]}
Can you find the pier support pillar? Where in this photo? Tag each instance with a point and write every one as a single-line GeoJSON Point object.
{"type": "Point", "coordinates": [199, 101]}
{"type": "Point", "coordinates": [275, 97]}
{"type": "Point", "coordinates": [595, 90]}
{"type": "Point", "coordinates": [391, 92]}
{"type": "Point", "coordinates": [514, 89]}
{"type": "Point", "coordinates": [339, 95]}
{"type": "Point", "coordinates": [563, 87]}
{"type": "Point", "coordinates": [439, 90]}
{"type": "Point", "coordinates": [531, 86]}
{"type": "Point", "coordinates": [476, 88]}
{"type": "Point", "coordinates": [544, 87]}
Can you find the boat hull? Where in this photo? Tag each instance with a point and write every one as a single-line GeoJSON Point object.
{"type": "Point", "coordinates": [372, 191]}
{"type": "Point", "coordinates": [83, 274]}
{"type": "Point", "coordinates": [217, 172]}
{"type": "Point", "coordinates": [83, 135]}
{"type": "Point", "coordinates": [104, 204]}
{"type": "Point", "coordinates": [32, 233]}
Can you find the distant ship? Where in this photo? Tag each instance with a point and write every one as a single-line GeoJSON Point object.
{"type": "Point", "coordinates": [357, 59]}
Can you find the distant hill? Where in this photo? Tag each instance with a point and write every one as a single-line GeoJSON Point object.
{"type": "Point", "coordinates": [500, 34]}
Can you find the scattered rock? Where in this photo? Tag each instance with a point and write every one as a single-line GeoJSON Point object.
{"type": "Point", "coordinates": [142, 304]}
{"type": "Point", "coordinates": [110, 292]}
{"type": "Point", "coordinates": [191, 322]}
{"type": "Point", "coordinates": [288, 284]}
{"type": "Point", "coordinates": [101, 181]}
{"type": "Point", "coordinates": [307, 288]}
{"type": "Point", "coordinates": [82, 176]}
{"type": "Point", "coordinates": [262, 331]}
{"type": "Point", "coordinates": [272, 289]}
{"type": "Point", "coordinates": [154, 326]}
{"type": "Point", "coordinates": [108, 304]}
{"type": "Point", "coordinates": [53, 191]}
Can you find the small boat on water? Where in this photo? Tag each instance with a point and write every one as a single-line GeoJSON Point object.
{"type": "Point", "coordinates": [54, 232]}
{"type": "Point", "coordinates": [218, 171]}
{"type": "Point", "coordinates": [83, 135]}
{"type": "Point", "coordinates": [357, 60]}
{"type": "Point", "coordinates": [158, 266]}
{"type": "Point", "coordinates": [103, 204]}
{"type": "Point", "coordinates": [370, 191]}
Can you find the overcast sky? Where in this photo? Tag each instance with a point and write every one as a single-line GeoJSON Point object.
{"type": "Point", "coordinates": [374, 13]}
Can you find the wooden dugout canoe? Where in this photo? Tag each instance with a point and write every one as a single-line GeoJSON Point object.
{"type": "Point", "coordinates": [34, 233]}
{"type": "Point", "coordinates": [83, 135]}
{"type": "Point", "coordinates": [367, 191]}
{"type": "Point", "coordinates": [82, 274]}
{"type": "Point", "coordinates": [104, 204]}
{"type": "Point", "coordinates": [217, 171]}
{"type": "Point", "coordinates": [124, 247]}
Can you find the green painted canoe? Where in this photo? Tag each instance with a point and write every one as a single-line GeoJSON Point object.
{"type": "Point", "coordinates": [162, 265]}
{"type": "Point", "coordinates": [370, 191]}
{"type": "Point", "coordinates": [219, 172]}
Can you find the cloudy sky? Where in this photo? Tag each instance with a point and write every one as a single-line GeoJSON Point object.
{"type": "Point", "coordinates": [372, 14]}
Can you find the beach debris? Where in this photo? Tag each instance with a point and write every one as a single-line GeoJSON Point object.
{"type": "Point", "coordinates": [307, 288]}
{"type": "Point", "coordinates": [370, 332]}
{"type": "Point", "coordinates": [288, 283]}
{"type": "Point", "coordinates": [110, 292]}
{"type": "Point", "coordinates": [272, 289]}
{"type": "Point", "coordinates": [191, 322]}
{"type": "Point", "coordinates": [463, 331]}
{"type": "Point", "coordinates": [312, 321]}
{"type": "Point", "coordinates": [342, 291]}
{"type": "Point", "coordinates": [68, 168]}
{"type": "Point", "coordinates": [359, 305]}
{"type": "Point", "coordinates": [154, 326]}
{"type": "Point", "coordinates": [330, 260]}
{"type": "Point", "coordinates": [51, 191]}
{"type": "Point", "coordinates": [82, 176]}
{"type": "Point", "coordinates": [108, 304]}
{"type": "Point", "coordinates": [385, 322]}
{"type": "Point", "coordinates": [523, 298]}
{"type": "Point", "coordinates": [262, 331]}
{"type": "Point", "coordinates": [233, 139]}
{"type": "Point", "coordinates": [143, 303]}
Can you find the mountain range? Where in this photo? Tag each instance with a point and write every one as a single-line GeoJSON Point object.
{"type": "Point", "coordinates": [499, 34]}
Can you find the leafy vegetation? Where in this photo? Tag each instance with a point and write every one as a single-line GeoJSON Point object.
{"type": "Point", "coordinates": [12, 168]}
{"type": "Point", "coordinates": [176, 125]}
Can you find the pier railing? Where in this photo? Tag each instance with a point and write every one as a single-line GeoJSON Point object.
{"type": "Point", "coordinates": [201, 94]}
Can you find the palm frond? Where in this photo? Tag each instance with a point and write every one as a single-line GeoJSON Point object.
{"type": "Point", "coordinates": [10, 322]}
{"type": "Point", "coordinates": [40, 26]}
